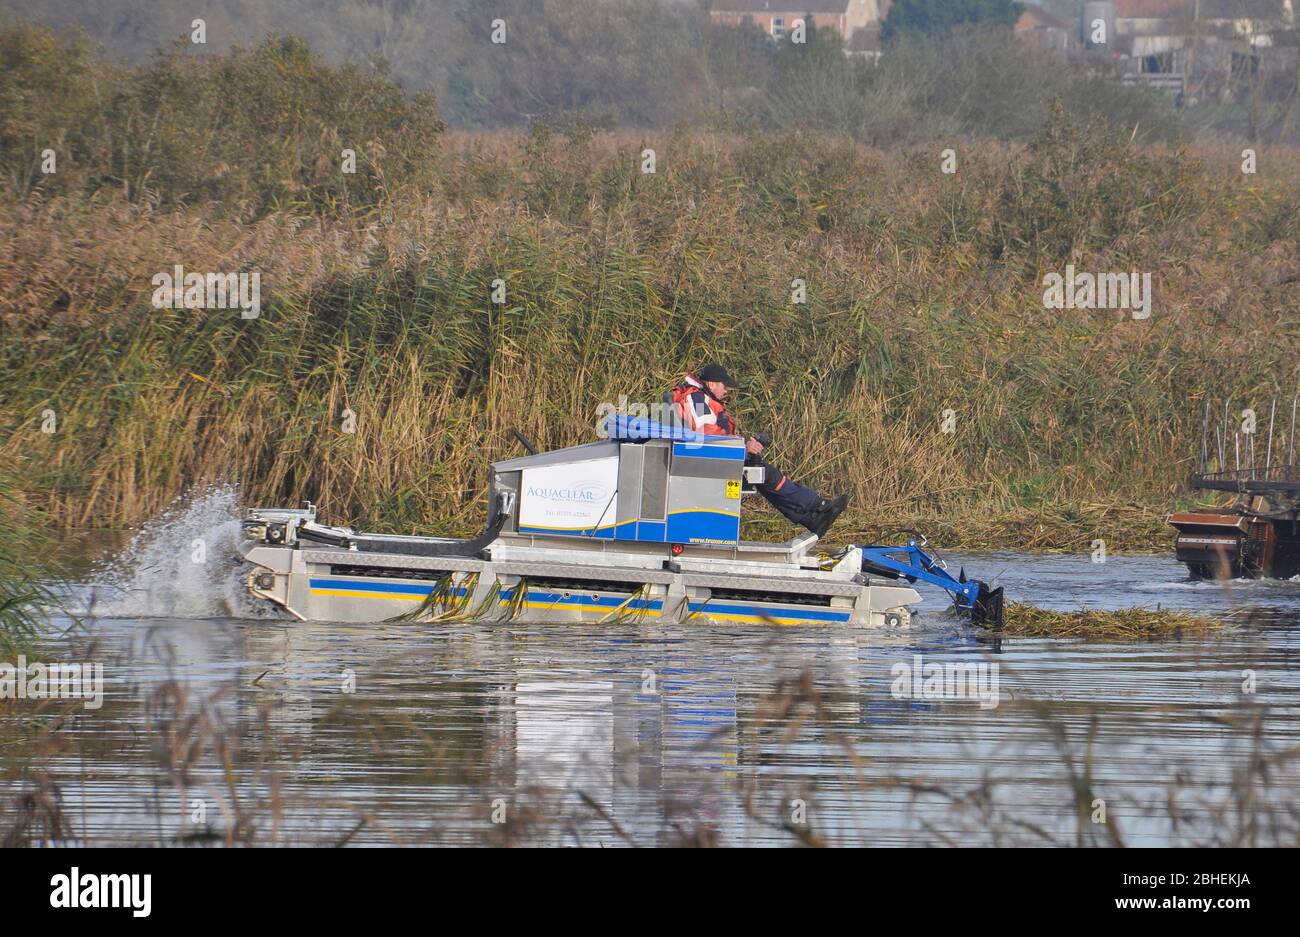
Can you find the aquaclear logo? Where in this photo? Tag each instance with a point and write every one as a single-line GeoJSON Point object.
{"type": "Point", "coordinates": [584, 492]}
{"type": "Point", "coordinates": [1098, 291]}
{"type": "Point", "coordinates": [956, 680]}
{"type": "Point", "coordinates": [53, 681]}
{"type": "Point", "coordinates": [103, 891]}
{"type": "Point", "coordinates": [181, 290]}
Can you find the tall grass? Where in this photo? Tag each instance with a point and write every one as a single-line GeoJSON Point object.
{"type": "Point", "coordinates": [923, 295]}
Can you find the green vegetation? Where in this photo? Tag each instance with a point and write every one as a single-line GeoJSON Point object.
{"type": "Point", "coordinates": [257, 129]}
{"type": "Point", "coordinates": [1125, 624]}
{"type": "Point", "coordinates": [26, 571]}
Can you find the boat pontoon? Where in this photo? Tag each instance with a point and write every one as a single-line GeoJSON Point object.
{"type": "Point", "coordinates": [642, 524]}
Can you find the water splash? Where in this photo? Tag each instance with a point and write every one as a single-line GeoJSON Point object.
{"type": "Point", "coordinates": [182, 564]}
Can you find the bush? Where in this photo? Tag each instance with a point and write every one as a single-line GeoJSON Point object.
{"type": "Point", "coordinates": [256, 129]}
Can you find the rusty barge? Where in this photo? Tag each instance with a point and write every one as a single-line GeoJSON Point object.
{"type": "Point", "coordinates": [1258, 533]}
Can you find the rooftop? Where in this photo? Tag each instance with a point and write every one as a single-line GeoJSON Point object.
{"type": "Point", "coordinates": [780, 6]}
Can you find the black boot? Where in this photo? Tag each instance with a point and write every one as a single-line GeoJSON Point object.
{"type": "Point", "coordinates": [824, 513]}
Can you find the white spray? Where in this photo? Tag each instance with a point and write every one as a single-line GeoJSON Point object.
{"type": "Point", "coordinates": [182, 564]}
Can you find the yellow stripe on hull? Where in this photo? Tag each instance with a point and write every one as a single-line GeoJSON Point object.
{"type": "Point", "coordinates": [348, 593]}
{"type": "Point", "coordinates": [547, 606]}
{"type": "Point", "coordinates": [764, 620]}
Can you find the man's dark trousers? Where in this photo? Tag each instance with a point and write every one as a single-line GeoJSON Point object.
{"type": "Point", "coordinates": [792, 499]}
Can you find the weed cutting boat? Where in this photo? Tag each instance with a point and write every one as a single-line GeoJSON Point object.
{"type": "Point", "coordinates": [642, 524]}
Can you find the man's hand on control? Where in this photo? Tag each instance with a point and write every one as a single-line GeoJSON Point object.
{"type": "Point", "coordinates": [753, 446]}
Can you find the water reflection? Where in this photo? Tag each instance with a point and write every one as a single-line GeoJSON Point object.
{"type": "Point", "coordinates": [296, 732]}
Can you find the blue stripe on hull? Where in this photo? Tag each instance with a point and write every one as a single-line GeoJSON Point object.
{"type": "Point", "coordinates": [705, 609]}
{"type": "Point", "coordinates": [396, 588]}
{"type": "Point", "coordinates": [584, 600]}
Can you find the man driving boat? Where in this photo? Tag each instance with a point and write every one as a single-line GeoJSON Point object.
{"type": "Point", "coordinates": [699, 401]}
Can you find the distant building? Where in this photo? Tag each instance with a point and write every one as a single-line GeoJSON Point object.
{"type": "Point", "coordinates": [1192, 48]}
{"type": "Point", "coordinates": [1042, 29]}
{"type": "Point", "coordinates": [777, 17]}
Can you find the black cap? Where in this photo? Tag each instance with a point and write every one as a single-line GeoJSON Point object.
{"type": "Point", "coordinates": [715, 372]}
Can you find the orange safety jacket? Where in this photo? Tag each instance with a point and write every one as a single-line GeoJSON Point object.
{"type": "Point", "coordinates": [700, 410]}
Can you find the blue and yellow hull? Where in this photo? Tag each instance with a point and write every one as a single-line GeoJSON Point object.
{"type": "Point", "coordinates": [338, 585]}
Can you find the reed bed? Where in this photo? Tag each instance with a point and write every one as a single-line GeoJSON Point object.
{"type": "Point", "coordinates": [1125, 624]}
{"type": "Point", "coordinates": [923, 296]}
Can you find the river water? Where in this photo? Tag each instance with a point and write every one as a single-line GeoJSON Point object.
{"type": "Point", "coordinates": [222, 723]}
